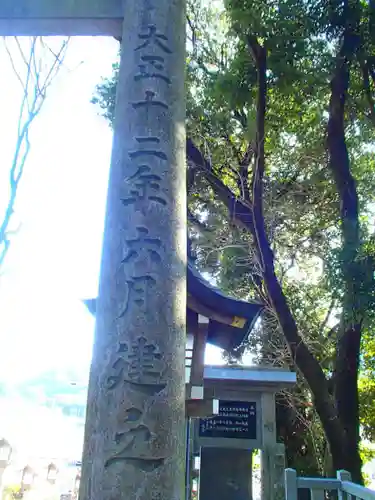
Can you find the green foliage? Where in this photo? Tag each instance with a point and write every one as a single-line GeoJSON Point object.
{"type": "Point", "coordinates": [12, 492]}
{"type": "Point", "coordinates": [367, 385]}
{"type": "Point", "coordinates": [106, 94]}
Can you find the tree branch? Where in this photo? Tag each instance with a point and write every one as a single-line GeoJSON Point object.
{"type": "Point", "coordinates": [328, 315]}
{"type": "Point", "coordinates": [239, 211]}
{"type": "Point", "coordinates": [34, 86]}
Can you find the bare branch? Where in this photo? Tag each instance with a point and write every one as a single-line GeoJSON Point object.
{"type": "Point", "coordinates": [34, 84]}
{"type": "Point", "coordinates": [327, 317]}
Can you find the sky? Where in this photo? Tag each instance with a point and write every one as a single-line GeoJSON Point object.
{"type": "Point", "coordinates": [54, 258]}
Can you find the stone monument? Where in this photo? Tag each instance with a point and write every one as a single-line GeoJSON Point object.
{"type": "Point", "coordinates": [246, 421]}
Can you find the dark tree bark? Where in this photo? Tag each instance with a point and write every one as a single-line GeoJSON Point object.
{"type": "Point", "coordinates": [304, 359]}
{"type": "Point", "coordinates": [354, 269]}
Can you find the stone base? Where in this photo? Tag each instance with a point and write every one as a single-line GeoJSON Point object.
{"type": "Point", "coordinates": [225, 474]}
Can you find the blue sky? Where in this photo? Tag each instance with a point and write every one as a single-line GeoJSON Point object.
{"type": "Point", "coordinates": [54, 259]}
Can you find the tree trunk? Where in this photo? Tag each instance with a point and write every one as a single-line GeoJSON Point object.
{"type": "Point", "coordinates": [353, 268]}
{"type": "Point", "coordinates": [134, 438]}
{"type": "Point", "coordinates": [342, 438]}
{"type": "Point", "coordinates": [302, 356]}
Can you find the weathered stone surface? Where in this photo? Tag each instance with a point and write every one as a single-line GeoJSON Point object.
{"type": "Point", "coordinates": [134, 442]}
{"type": "Point", "coordinates": [65, 8]}
{"type": "Point", "coordinates": [63, 17]}
{"type": "Point", "coordinates": [225, 474]}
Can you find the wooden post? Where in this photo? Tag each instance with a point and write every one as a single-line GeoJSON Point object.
{"type": "Point", "coordinates": [268, 445]}
{"type": "Point", "coordinates": [278, 461]}
{"type": "Point", "coordinates": [197, 360]}
{"type": "Point", "coordinates": [135, 430]}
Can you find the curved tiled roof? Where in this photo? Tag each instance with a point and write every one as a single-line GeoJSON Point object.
{"type": "Point", "coordinates": [231, 319]}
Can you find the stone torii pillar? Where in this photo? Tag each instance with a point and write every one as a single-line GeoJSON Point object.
{"type": "Point", "coordinates": [134, 439]}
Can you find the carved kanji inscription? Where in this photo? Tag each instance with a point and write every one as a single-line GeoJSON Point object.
{"type": "Point", "coordinates": [148, 150]}
{"type": "Point", "coordinates": [134, 441]}
{"type": "Point", "coordinates": [152, 66]}
{"type": "Point", "coordinates": [143, 244]}
{"type": "Point", "coordinates": [153, 37]}
{"type": "Point", "coordinates": [139, 362]}
{"type": "Point", "coordinates": [146, 187]}
{"type": "Point", "coordinates": [137, 293]}
{"type": "Point", "coordinates": [149, 102]}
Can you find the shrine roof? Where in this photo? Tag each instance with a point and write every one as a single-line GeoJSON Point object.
{"type": "Point", "coordinates": [215, 299]}
{"type": "Point", "coordinates": [230, 319]}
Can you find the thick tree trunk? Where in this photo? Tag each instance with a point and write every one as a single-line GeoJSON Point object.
{"type": "Point", "coordinates": [340, 423]}
{"type": "Point", "coordinates": [353, 268]}
{"type": "Point", "coordinates": [304, 359]}
{"type": "Point", "coordinates": [134, 439]}
{"type": "Point", "coordinates": [356, 276]}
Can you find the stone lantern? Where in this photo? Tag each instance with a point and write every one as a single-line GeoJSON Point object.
{"type": "Point", "coordinates": [27, 478]}
{"type": "Point", "coordinates": [52, 473]}
{"type": "Point", "coordinates": [77, 482]}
